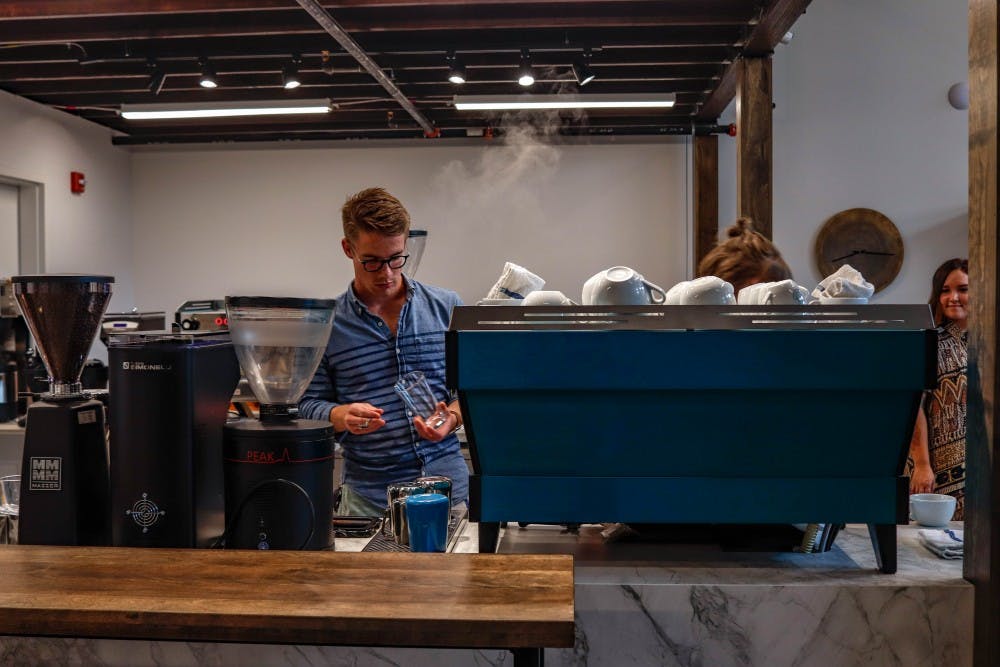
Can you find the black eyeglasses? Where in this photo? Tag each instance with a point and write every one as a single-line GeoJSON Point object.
{"type": "Point", "coordinates": [394, 262]}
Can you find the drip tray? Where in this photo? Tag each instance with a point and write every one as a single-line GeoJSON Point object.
{"type": "Point", "coordinates": [456, 525]}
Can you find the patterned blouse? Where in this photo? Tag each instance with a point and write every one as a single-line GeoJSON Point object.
{"type": "Point", "coordinates": [945, 408]}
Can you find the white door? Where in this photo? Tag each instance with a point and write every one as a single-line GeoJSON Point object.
{"type": "Point", "coordinates": [8, 231]}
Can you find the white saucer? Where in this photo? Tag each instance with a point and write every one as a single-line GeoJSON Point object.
{"type": "Point", "coordinates": [499, 302]}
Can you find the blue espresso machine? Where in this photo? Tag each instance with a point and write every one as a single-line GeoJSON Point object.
{"type": "Point", "coordinates": [691, 414]}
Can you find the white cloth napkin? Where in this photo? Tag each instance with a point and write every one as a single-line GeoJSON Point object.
{"type": "Point", "coordinates": [844, 282]}
{"type": "Point", "coordinates": [515, 282]}
{"type": "Point", "coordinates": [946, 543]}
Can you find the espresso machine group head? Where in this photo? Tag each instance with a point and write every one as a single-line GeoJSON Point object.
{"type": "Point", "coordinates": [65, 490]}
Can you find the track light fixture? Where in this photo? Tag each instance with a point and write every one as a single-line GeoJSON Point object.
{"type": "Point", "coordinates": [156, 78]}
{"type": "Point", "coordinates": [525, 73]}
{"type": "Point", "coordinates": [456, 70]}
{"type": "Point", "coordinates": [207, 74]}
{"type": "Point", "coordinates": [326, 63]}
{"type": "Point", "coordinates": [582, 70]}
{"type": "Point", "coordinates": [290, 73]}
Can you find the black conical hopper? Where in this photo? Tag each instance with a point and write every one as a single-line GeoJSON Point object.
{"type": "Point", "coordinates": [63, 312]}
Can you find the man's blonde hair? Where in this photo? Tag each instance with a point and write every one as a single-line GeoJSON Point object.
{"type": "Point", "coordinates": [374, 210]}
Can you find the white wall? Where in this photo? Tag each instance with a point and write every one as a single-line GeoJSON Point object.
{"type": "Point", "coordinates": [84, 233]}
{"type": "Point", "coordinates": [87, 233]}
{"type": "Point", "coordinates": [862, 120]}
{"type": "Point", "coordinates": [210, 222]}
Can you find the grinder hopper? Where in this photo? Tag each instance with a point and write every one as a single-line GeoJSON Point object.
{"type": "Point", "coordinates": [63, 313]}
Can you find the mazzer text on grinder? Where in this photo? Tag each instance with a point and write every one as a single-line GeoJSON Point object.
{"type": "Point", "coordinates": [64, 470]}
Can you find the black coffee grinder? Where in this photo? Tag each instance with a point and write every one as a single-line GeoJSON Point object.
{"type": "Point", "coordinates": [170, 395]}
{"type": "Point", "coordinates": [65, 494]}
{"type": "Point", "coordinates": [279, 469]}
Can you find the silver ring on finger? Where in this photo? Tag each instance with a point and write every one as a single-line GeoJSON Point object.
{"type": "Point", "coordinates": [364, 423]}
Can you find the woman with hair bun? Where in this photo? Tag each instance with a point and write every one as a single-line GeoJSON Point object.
{"type": "Point", "coordinates": [745, 258]}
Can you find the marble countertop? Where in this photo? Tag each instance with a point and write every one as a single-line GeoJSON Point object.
{"type": "Point", "coordinates": [851, 561]}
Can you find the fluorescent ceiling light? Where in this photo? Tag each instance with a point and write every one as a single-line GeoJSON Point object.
{"type": "Point", "coordinates": [223, 109]}
{"type": "Point", "coordinates": [508, 102]}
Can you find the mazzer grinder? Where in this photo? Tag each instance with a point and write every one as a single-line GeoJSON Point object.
{"type": "Point", "coordinates": [279, 469]}
{"type": "Point", "coordinates": [64, 471]}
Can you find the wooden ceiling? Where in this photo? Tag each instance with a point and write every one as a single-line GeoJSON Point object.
{"type": "Point", "coordinates": [89, 58]}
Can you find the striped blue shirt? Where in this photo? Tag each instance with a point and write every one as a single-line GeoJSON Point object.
{"type": "Point", "coordinates": [361, 363]}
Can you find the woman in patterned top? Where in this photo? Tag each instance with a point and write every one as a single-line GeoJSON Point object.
{"type": "Point", "coordinates": [937, 450]}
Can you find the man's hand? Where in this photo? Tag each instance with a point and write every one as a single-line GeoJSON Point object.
{"type": "Point", "coordinates": [441, 432]}
{"type": "Point", "coordinates": [357, 418]}
{"type": "Point", "coordinates": [922, 480]}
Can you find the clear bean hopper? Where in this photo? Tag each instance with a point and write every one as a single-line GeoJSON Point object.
{"type": "Point", "coordinates": [691, 414]}
{"type": "Point", "coordinates": [279, 342]}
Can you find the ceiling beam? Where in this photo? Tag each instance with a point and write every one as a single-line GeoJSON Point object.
{"type": "Point", "coordinates": [683, 39]}
{"type": "Point", "coordinates": [351, 94]}
{"type": "Point", "coordinates": [617, 64]}
{"type": "Point", "coordinates": [776, 19]}
{"type": "Point", "coordinates": [27, 9]}
{"type": "Point", "coordinates": [187, 74]}
{"type": "Point", "coordinates": [326, 21]}
{"type": "Point", "coordinates": [201, 26]}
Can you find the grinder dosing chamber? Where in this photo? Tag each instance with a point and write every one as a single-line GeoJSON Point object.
{"type": "Point", "coordinates": [65, 494]}
{"type": "Point", "coordinates": [279, 469]}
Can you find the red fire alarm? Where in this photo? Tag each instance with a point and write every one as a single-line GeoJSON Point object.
{"type": "Point", "coordinates": [77, 182]}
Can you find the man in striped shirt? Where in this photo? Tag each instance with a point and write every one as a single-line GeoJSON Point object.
{"type": "Point", "coordinates": [385, 326]}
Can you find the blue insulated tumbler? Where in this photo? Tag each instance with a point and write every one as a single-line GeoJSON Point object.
{"type": "Point", "coordinates": [427, 520]}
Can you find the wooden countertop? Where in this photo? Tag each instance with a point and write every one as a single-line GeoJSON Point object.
{"type": "Point", "coordinates": [361, 599]}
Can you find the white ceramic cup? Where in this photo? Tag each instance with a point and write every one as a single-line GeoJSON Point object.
{"type": "Point", "coordinates": [748, 296]}
{"type": "Point", "coordinates": [933, 510]}
{"type": "Point", "coordinates": [780, 293]}
{"type": "Point", "coordinates": [704, 291]}
{"type": "Point", "coordinates": [546, 298]}
{"type": "Point", "coordinates": [621, 286]}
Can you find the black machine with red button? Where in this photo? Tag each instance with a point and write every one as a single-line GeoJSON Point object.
{"type": "Point", "coordinates": [201, 315]}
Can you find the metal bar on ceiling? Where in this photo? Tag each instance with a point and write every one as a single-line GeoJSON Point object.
{"type": "Point", "coordinates": [328, 23]}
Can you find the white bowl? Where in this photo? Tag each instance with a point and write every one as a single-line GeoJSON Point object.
{"type": "Point", "coordinates": [933, 510]}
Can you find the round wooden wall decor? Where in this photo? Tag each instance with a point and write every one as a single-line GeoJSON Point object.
{"type": "Point", "coordinates": [863, 238]}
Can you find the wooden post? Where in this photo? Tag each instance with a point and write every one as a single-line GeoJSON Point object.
{"type": "Point", "coordinates": [754, 136]}
{"type": "Point", "coordinates": [706, 194]}
{"type": "Point", "coordinates": [982, 504]}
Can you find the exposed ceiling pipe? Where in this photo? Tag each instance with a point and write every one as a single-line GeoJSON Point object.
{"type": "Point", "coordinates": [328, 23]}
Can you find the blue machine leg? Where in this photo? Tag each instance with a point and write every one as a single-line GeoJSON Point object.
{"type": "Point", "coordinates": [489, 536]}
{"type": "Point", "coordinates": [884, 541]}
